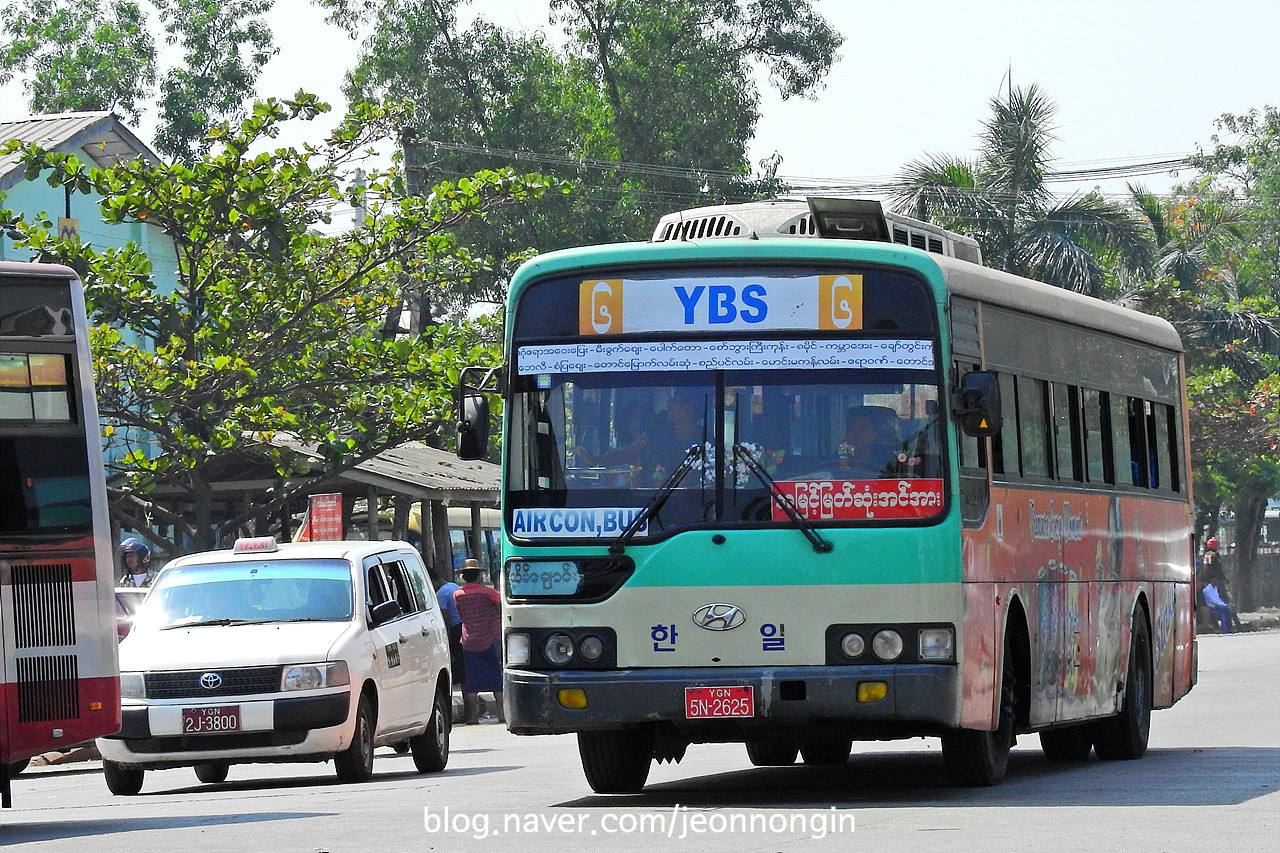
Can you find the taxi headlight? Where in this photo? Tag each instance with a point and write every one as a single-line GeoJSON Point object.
{"type": "Point", "coordinates": [132, 686]}
{"type": "Point", "coordinates": [887, 644]}
{"type": "Point", "coordinates": [312, 676]}
{"type": "Point", "coordinates": [558, 649]}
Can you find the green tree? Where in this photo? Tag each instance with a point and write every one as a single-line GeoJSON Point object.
{"type": "Point", "coordinates": [73, 57]}
{"type": "Point", "coordinates": [99, 55]}
{"type": "Point", "coordinates": [649, 106]}
{"type": "Point", "coordinates": [225, 44]}
{"type": "Point", "coordinates": [274, 329]}
{"type": "Point", "coordinates": [1001, 198]}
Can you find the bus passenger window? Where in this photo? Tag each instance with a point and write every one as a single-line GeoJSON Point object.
{"type": "Point", "coordinates": [1033, 428]}
{"type": "Point", "coordinates": [1167, 439]}
{"type": "Point", "coordinates": [1066, 431]}
{"type": "Point", "coordinates": [1154, 444]}
{"type": "Point", "coordinates": [1125, 468]}
{"type": "Point", "coordinates": [1004, 444]}
{"type": "Point", "coordinates": [1095, 467]}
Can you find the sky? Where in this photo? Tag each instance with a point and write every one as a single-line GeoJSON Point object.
{"type": "Point", "coordinates": [1134, 80]}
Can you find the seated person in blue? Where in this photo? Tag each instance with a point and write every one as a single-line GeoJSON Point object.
{"type": "Point", "coordinates": [1218, 606]}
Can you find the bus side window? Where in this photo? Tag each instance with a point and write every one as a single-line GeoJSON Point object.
{"type": "Point", "coordinates": [1139, 456]}
{"type": "Point", "coordinates": [1004, 444]}
{"type": "Point", "coordinates": [1167, 438]}
{"type": "Point", "coordinates": [1125, 468]}
{"type": "Point", "coordinates": [1033, 428]}
{"type": "Point", "coordinates": [1155, 445]}
{"type": "Point", "coordinates": [1066, 432]}
{"type": "Point", "coordinates": [1094, 461]}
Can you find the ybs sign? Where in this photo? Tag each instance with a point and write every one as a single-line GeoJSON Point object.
{"type": "Point", "coordinates": [821, 302]}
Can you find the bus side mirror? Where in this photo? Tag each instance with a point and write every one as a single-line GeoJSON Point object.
{"type": "Point", "coordinates": [473, 425]}
{"type": "Point", "coordinates": [977, 404]}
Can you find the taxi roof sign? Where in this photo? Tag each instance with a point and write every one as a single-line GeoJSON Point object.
{"type": "Point", "coordinates": [256, 545]}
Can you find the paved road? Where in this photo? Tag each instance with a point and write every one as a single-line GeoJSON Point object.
{"type": "Point", "coordinates": [1210, 780]}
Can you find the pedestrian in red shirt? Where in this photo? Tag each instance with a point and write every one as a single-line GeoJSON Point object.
{"type": "Point", "coordinates": [481, 610]}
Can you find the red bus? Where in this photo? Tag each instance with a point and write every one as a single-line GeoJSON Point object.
{"type": "Point", "coordinates": [59, 675]}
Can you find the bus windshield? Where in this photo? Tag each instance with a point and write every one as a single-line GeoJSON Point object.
{"type": "Point", "coordinates": [830, 438]}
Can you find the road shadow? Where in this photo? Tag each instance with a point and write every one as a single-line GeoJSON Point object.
{"type": "Point", "coordinates": [81, 828]}
{"type": "Point", "coordinates": [1164, 777]}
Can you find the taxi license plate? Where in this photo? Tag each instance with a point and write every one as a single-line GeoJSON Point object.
{"type": "Point", "coordinates": [718, 702]}
{"type": "Point", "coordinates": [204, 721]}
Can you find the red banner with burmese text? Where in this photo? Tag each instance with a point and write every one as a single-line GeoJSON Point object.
{"type": "Point", "coordinates": [860, 500]}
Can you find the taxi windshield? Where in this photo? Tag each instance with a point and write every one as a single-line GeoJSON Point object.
{"type": "Point", "coordinates": [248, 592]}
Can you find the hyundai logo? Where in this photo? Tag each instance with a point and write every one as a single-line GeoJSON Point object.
{"type": "Point", "coordinates": [719, 617]}
{"type": "Point", "coordinates": [211, 681]}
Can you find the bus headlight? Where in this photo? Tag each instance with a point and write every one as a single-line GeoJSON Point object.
{"type": "Point", "coordinates": [132, 686]}
{"type": "Point", "coordinates": [887, 644]}
{"type": "Point", "coordinates": [591, 648]}
{"type": "Point", "coordinates": [518, 649]}
{"type": "Point", "coordinates": [937, 644]}
{"type": "Point", "coordinates": [558, 649]}
{"type": "Point", "coordinates": [852, 645]}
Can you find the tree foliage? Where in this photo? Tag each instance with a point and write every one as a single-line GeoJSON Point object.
{"type": "Point", "coordinates": [90, 55]}
{"type": "Point", "coordinates": [1001, 198]}
{"type": "Point", "coordinates": [100, 55]}
{"type": "Point", "coordinates": [646, 108]}
{"type": "Point", "coordinates": [275, 329]}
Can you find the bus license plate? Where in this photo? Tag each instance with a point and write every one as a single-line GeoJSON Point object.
{"type": "Point", "coordinates": [716, 702]}
{"type": "Point", "coordinates": [204, 721]}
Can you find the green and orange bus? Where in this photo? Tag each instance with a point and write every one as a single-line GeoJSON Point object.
{"type": "Point", "coordinates": [801, 474]}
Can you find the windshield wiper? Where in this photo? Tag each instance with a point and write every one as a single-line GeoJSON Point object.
{"type": "Point", "coordinates": [654, 506]}
{"type": "Point", "coordinates": [207, 622]}
{"type": "Point", "coordinates": [822, 546]}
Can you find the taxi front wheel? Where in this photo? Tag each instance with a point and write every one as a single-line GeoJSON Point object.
{"type": "Point", "coordinates": [122, 779]}
{"type": "Point", "coordinates": [355, 763]}
{"type": "Point", "coordinates": [431, 748]}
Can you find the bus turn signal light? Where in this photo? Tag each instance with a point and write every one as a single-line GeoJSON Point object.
{"type": "Point", "coordinates": [872, 691]}
{"type": "Point", "coordinates": [572, 697]}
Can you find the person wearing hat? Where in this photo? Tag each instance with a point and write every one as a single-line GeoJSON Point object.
{"type": "Point", "coordinates": [481, 610]}
{"type": "Point", "coordinates": [136, 557]}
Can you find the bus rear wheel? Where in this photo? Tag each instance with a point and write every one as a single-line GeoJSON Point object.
{"type": "Point", "coordinates": [771, 753]}
{"type": "Point", "coordinates": [123, 780]}
{"type": "Point", "coordinates": [978, 758]}
{"type": "Point", "coordinates": [616, 762]}
{"type": "Point", "coordinates": [826, 753]}
{"type": "Point", "coordinates": [1124, 736]}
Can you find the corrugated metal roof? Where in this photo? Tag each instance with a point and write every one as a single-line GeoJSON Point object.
{"type": "Point", "coordinates": [99, 137]}
{"type": "Point", "coordinates": [423, 472]}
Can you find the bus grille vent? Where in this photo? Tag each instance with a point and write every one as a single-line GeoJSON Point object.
{"type": "Point", "coordinates": [48, 688]}
{"type": "Point", "coordinates": [702, 227]}
{"type": "Point", "coordinates": [802, 226]}
{"type": "Point", "coordinates": [43, 606]}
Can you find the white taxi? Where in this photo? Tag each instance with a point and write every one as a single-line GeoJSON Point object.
{"type": "Point", "coordinates": [283, 652]}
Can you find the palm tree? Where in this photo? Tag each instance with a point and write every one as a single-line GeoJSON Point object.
{"type": "Point", "coordinates": [1001, 198]}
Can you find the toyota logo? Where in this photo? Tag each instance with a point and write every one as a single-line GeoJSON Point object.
{"type": "Point", "coordinates": [211, 681]}
{"type": "Point", "coordinates": [719, 617]}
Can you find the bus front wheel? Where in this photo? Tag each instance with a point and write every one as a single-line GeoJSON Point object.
{"type": "Point", "coordinates": [122, 779]}
{"type": "Point", "coordinates": [616, 762]}
{"type": "Point", "coordinates": [978, 758]}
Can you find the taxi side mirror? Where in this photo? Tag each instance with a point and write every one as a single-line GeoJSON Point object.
{"type": "Point", "coordinates": [381, 614]}
{"type": "Point", "coordinates": [977, 403]}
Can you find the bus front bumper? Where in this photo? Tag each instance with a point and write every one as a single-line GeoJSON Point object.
{"type": "Point", "coordinates": [920, 699]}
